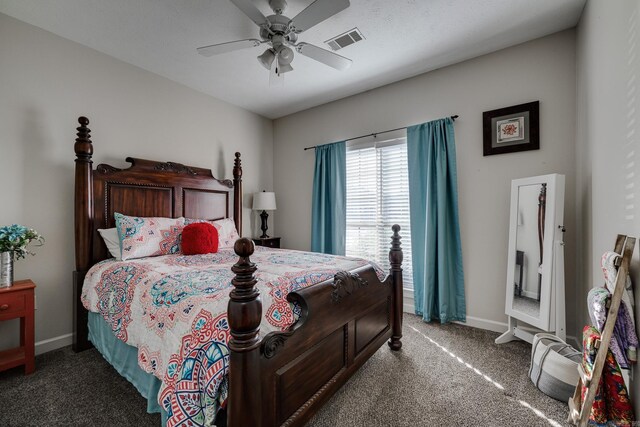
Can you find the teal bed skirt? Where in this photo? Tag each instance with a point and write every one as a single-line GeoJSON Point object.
{"type": "Point", "coordinates": [124, 358]}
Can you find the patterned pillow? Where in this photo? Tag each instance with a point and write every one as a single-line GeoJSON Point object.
{"type": "Point", "coordinates": [227, 233]}
{"type": "Point", "coordinates": [147, 237]}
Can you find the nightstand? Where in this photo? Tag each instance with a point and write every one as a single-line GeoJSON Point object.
{"type": "Point", "coordinates": [269, 242]}
{"type": "Point", "coordinates": [17, 301]}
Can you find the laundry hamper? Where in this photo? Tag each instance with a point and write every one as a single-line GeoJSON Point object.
{"type": "Point", "coordinates": [554, 366]}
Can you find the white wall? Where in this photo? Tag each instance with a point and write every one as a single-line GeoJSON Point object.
{"type": "Point", "coordinates": [543, 69]}
{"type": "Point", "coordinates": [46, 82]}
{"type": "Point", "coordinates": [608, 141]}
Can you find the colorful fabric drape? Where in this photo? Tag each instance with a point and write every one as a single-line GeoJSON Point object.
{"type": "Point", "coordinates": [329, 208]}
{"type": "Point", "coordinates": [611, 405]}
{"type": "Point", "coordinates": [610, 272]}
{"type": "Point", "coordinates": [438, 277]}
{"type": "Point", "coordinates": [624, 341]}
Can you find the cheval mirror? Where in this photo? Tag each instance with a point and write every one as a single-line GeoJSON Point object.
{"type": "Point", "coordinates": [535, 262]}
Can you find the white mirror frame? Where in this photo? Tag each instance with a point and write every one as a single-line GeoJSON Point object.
{"type": "Point", "coordinates": [552, 302]}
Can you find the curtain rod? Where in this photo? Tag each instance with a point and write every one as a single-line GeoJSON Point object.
{"type": "Point", "coordinates": [373, 134]}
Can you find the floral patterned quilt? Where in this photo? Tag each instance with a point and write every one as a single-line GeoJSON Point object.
{"type": "Point", "coordinates": [173, 310]}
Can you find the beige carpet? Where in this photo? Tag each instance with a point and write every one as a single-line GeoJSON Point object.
{"type": "Point", "coordinates": [444, 376]}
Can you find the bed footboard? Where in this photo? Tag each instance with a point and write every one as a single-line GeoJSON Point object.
{"type": "Point", "coordinates": [285, 377]}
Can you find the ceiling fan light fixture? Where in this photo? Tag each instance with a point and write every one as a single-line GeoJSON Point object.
{"type": "Point", "coordinates": [267, 58]}
{"type": "Point", "coordinates": [283, 68]}
{"type": "Point", "coordinates": [285, 55]}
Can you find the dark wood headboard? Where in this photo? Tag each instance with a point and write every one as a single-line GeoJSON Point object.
{"type": "Point", "coordinates": [148, 189]}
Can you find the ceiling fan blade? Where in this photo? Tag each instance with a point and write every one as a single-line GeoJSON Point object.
{"type": "Point", "coordinates": [326, 57]}
{"type": "Point", "coordinates": [216, 49]}
{"type": "Point", "coordinates": [317, 12]}
{"type": "Point", "coordinates": [251, 11]}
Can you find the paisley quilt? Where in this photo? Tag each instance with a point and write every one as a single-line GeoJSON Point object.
{"type": "Point", "coordinates": [172, 308]}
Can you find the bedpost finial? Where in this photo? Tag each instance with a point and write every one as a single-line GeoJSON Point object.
{"type": "Point", "coordinates": [83, 146]}
{"type": "Point", "coordinates": [244, 247]}
{"type": "Point", "coordinates": [395, 254]}
{"type": "Point", "coordinates": [245, 308]}
{"type": "Point", "coordinates": [237, 166]}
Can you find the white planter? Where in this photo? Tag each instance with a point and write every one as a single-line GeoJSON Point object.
{"type": "Point", "coordinates": [6, 269]}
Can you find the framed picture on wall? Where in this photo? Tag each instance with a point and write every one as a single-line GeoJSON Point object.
{"type": "Point", "coordinates": [511, 129]}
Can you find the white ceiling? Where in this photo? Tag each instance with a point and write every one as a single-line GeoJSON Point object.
{"type": "Point", "coordinates": [403, 38]}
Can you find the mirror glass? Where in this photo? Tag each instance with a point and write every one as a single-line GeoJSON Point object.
{"type": "Point", "coordinates": [535, 261]}
{"type": "Point", "coordinates": [527, 274]}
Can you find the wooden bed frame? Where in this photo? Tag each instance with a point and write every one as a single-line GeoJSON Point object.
{"type": "Point", "coordinates": [282, 378]}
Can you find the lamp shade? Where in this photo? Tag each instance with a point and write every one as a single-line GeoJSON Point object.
{"type": "Point", "coordinates": [284, 68]}
{"type": "Point", "coordinates": [285, 55]}
{"type": "Point", "coordinates": [266, 59]}
{"type": "Point", "coordinates": [264, 201]}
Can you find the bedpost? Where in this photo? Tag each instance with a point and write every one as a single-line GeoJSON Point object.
{"type": "Point", "coordinates": [395, 259]}
{"type": "Point", "coordinates": [237, 193]}
{"type": "Point", "coordinates": [83, 229]}
{"type": "Point", "coordinates": [244, 314]}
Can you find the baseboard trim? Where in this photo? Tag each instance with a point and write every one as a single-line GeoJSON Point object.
{"type": "Point", "coordinates": [54, 343]}
{"type": "Point", "coordinates": [490, 325]}
{"type": "Point", "coordinates": [500, 327]}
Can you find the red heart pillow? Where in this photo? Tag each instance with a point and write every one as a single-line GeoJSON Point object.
{"type": "Point", "coordinates": [199, 238]}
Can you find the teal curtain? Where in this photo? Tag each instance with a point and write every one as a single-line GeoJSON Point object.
{"type": "Point", "coordinates": [329, 210]}
{"type": "Point", "coordinates": [438, 277]}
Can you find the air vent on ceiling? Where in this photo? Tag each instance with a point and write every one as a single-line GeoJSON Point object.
{"type": "Point", "coordinates": [345, 39]}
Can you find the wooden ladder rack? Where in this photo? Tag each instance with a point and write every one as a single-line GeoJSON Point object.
{"type": "Point", "coordinates": [579, 410]}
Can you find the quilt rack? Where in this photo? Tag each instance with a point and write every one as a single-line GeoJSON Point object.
{"type": "Point", "coordinates": [579, 410]}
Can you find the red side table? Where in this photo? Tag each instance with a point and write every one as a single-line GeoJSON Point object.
{"type": "Point", "coordinates": [17, 301]}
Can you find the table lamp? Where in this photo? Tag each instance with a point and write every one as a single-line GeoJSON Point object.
{"type": "Point", "coordinates": [264, 201]}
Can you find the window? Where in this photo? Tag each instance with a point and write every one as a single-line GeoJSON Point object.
{"type": "Point", "coordinates": [377, 198]}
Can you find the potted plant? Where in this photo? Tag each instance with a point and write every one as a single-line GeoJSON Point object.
{"type": "Point", "coordinates": [13, 245]}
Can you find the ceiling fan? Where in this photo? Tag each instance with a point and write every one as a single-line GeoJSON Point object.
{"type": "Point", "coordinates": [280, 33]}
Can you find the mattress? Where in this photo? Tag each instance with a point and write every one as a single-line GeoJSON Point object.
{"type": "Point", "coordinates": [172, 310]}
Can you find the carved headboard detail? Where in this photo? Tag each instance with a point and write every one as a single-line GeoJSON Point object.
{"type": "Point", "coordinates": [147, 188]}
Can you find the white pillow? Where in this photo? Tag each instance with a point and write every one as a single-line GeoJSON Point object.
{"type": "Point", "coordinates": [111, 239]}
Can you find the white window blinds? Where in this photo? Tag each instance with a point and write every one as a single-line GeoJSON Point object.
{"type": "Point", "coordinates": [377, 198]}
